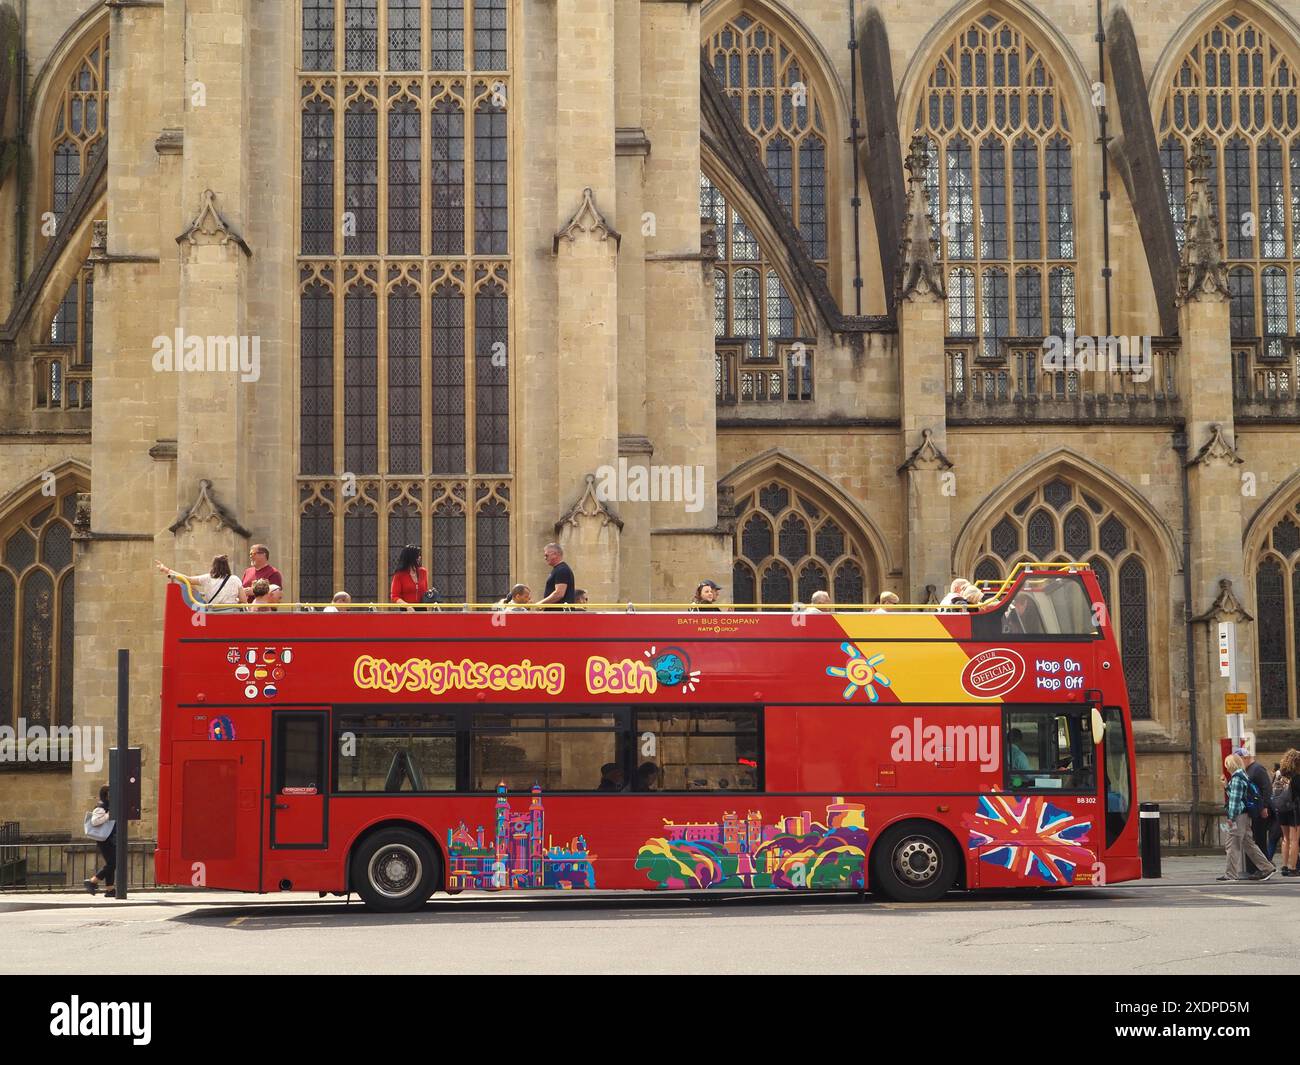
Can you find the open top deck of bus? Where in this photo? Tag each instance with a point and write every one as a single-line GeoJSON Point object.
{"type": "Point", "coordinates": [374, 748]}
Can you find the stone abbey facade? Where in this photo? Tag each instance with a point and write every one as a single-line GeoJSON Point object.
{"type": "Point", "coordinates": [342, 275]}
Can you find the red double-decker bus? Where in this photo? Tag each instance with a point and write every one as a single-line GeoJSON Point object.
{"type": "Point", "coordinates": [907, 753]}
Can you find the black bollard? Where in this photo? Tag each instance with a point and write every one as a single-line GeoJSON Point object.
{"type": "Point", "coordinates": [1149, 839]}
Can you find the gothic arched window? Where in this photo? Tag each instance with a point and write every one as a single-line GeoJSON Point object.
{"type": "Point", "coordinates": [1277, 610]}
{"type": "Point", "coordinates": [404, 294]}
{"type": "Point", "coordinates": [1062, 522]}
{"type": "Point", "coordinates": [789, 546]}
{"type": "Point", "coordinates": [78, 123]}
{"type": "Point", "coordinates": [1004, 185]}
{"type": "Point", "coordinates": [1237, 87]}
{"type": "Point", "coordinates": [36, 610]}
{"type": "Point", "coordinates": [750, 301]}
{"type": "Point", "coordinates": [776, 100]}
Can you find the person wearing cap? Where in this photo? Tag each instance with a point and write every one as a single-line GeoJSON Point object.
{"type": "Point", "coordinates": [1261, 819]}
{"type": "Point", "coordinates": [706, 595]}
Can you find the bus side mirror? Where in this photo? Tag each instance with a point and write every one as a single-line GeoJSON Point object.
{"type": "Point", "coordinates": [1098, 726]}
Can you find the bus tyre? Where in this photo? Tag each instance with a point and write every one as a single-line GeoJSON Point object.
{"type": "Point", "coordinates": [395, 870]}
{"type": "Point", "coordinates": [915, 861]}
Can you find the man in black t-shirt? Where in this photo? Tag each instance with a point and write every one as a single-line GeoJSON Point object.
{"type": "Point", "coordinates": [560, 585]}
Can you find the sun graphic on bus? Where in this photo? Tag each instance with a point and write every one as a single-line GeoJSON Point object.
{"type": "Point", "coordinates": [860, 672]}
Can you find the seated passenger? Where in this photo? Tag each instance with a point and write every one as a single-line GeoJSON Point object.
{"type": "Point", "coordinates": [647, 777]}
{"type": "Point", "coordinates": [819, 601]}
{"type": "Point", "coordinates": [339, 598]}
{"type": "Point", "coordinates": [262, 594]}
{"type": "Point", "coordinates": [706, 595]}
{"type": "Point", "coordinates": [611, 777]}
{"type": "Point", "coordinates": [518, 598]}
{"type": "Point", "coordinates": [956, 593]}
{"type": "Point", "coordinates": [886, 600]}
{"type": "Point", "coordinates": [580, 599]}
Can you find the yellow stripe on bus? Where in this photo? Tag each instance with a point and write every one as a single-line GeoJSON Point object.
{"type": "Point", "coordinates": [917, 672]}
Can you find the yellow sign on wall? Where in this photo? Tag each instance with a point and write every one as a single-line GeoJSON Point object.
{"type": "Point", "coordinates": [1234, 702]}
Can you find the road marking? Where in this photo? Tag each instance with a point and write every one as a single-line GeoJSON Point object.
{"type": "Point", "coordinates": [1233, 898]}
{"type": "Point", "coordinates": [236, 922]}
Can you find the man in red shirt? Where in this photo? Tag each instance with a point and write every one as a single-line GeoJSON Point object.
{"type": "Point", "coordinates": [261, 569]}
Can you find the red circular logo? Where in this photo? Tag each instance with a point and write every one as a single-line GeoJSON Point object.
{"type": "Point", "coordinates": [992, 673]}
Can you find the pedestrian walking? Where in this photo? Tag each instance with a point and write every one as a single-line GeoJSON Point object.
{"type": "Point", "coordinates": [1241, 845]}
{"type": "Point", "coordinates": [1260, 818]}
{"type": "Point", "coordinates": [1287, 802]}
{"type": "Point", "coordinates": [101, 827]}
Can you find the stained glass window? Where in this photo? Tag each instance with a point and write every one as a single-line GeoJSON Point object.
{"type": "Point", "coordinates": [782, 108]}
{"type": "Point", "coordinates": [404, 312]}
{"type": "Point", "coordinates": [752, 304]}
{"type": "Point", "coordinates": [1236, 85]}
{"type": "Point", "coordinates": [1277, 617]}
{"type": "Point", "coordinates": [1005, 202]}
{"type": "Point", "coordinates": [786, 544]}
{"type": "Point", "coordinates": [36, 601]}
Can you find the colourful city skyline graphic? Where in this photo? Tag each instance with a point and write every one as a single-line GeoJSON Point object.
{"type": "Point", "coordinates": [1031, 837]}
{"type": "Point", "coordinates": [516, 857]}
{"type": "Point", "coordinates": [860, 672]}
{"type": "Point", "coordinates": [735, 852]}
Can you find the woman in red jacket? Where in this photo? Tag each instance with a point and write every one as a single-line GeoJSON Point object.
{"type": "Point", "coordinates": [410, 580]}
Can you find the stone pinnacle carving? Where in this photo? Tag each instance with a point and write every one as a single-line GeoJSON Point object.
{"type": "Point", "coordinates": [919, 273]}
{"type": "Point", "coordinates": [209, 227]}
{"type": "Point", "coordinates": [206, 507]}
{"type": "Point", "coordinates": [1217, 449]}
{"type": "Point", "coordinates": [926, 456]}
{"type": "Point", "coordinates": [589, 507]}
{"type": "Point", "coordinates": [588, 219]}
{"type": "Point", "coordinates": [1201, 271]}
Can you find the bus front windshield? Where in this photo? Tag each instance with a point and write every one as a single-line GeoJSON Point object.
{"type": "Point", "coordinates": [1050, 606]}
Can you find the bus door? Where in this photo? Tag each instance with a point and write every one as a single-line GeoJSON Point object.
{"type": "Point", "coordinates": [299, 779]}
{"type": "Point", "coordinates": [214, 799]}
{"type": "Point", "coordinates": [1047, 828]}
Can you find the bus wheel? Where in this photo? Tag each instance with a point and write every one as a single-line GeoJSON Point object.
{"type": "Point", "coordinates": [395, 871]}
{"type": "Point", "coordinates": [914, 862]}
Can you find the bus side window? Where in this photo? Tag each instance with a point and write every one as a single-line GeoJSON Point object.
{"type": "Point", "coordinates": [697, 749]}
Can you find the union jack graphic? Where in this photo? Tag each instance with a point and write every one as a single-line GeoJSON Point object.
{"type": "Point", "coordinates": [1029, 836]}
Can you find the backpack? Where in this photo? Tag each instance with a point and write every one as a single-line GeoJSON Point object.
{"type": "Point", "coordinates": [1253, 800]}
{"type": "Point", "coordinates": [1283, 800]}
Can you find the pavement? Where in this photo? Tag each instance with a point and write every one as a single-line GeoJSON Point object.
{"type": "Point", "coordinates": [1186, 922]}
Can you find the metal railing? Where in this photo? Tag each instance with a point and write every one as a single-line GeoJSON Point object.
{"type": "Point", "coordinates": [1177, 834]}
{"type": "Point", "coordinates": [993, 592]}
{"type": "Point", "coordinates": [63, 866]}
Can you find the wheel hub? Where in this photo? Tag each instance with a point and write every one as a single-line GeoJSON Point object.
{"type": "Point", "coordinates": [917, 860]}
{"type": "Point", "coordinates": [395, 870]}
